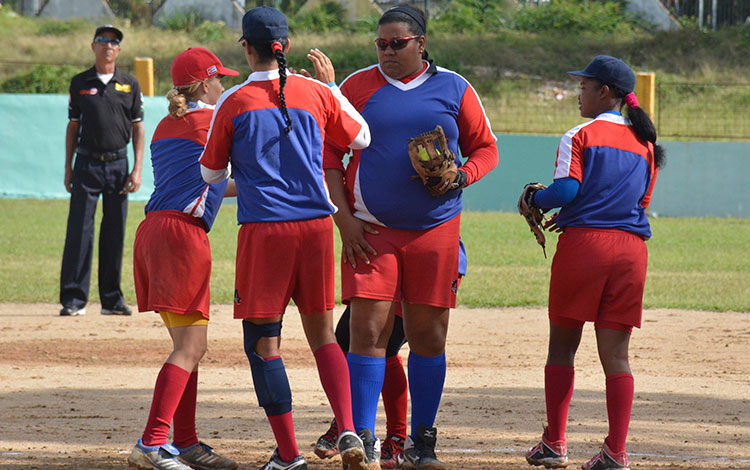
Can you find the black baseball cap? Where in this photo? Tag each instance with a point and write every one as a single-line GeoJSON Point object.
{"type": "Point", "coordinates": [108, 28]}
{"type": "Point", "coordinates": [264, 23]}
{"type": "Point", "coordinates": [610, 71]}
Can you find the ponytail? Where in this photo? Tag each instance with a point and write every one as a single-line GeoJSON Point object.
{"type": "Point", "coordinates": [178, 98]}
{"type": "Point", "coordinates": [275, 49]}
{"type": "Point", "coordinates": [278, 52]}
{"type": "Point", "coordinates": [642, 125]}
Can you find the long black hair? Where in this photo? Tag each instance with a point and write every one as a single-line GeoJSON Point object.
{"type": "Point", "coordinates": [642, 125]}
{"type": "Point", "coordinates": [275, 49]}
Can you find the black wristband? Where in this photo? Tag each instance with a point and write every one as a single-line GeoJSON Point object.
{"type": "Point", "coordinates": [459, 181]}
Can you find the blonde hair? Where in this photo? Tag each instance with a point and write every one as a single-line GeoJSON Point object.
{"type": "Point", "coordinates": [179, 96]}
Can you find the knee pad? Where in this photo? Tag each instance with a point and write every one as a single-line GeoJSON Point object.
{"type": "Point", "coordinates": [269, 377]}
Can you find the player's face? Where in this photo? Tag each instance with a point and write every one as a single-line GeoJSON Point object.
{"type": "Point", "coordinates": [590, 97]}
{"type": "Point", "coordinates": [399, 62]}
{"type": "Point", "coordinates": [106, 47]}
{"type": "Point", "coordinates": [215, 89]}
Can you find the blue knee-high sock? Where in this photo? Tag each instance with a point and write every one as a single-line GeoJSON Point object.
{"type": "Point", "coordinates": [366, 374]}
{"type": "Point", "coordinates": [426, 379]}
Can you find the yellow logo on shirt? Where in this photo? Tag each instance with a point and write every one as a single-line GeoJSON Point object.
{"type": "Point", "coordinates": [125, 88]}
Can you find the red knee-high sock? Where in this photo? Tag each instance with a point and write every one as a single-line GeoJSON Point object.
{"type": "Point", "coordinates": [170, 385]}
{"type": "Point", "coordinates": [620, 389]}
{"type": "Point", "coordinates": [334, 377]}
{"type": "Point", "coordinates": [558, 391]}
{"type": "Point", "coordinates": [184, 416]}
{"type": "Point", "coordinates": [283, 430]}
{"type": "Point", "coordinates": [395, 397]}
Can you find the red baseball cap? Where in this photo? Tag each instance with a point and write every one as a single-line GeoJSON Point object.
{"type": "Point", "coordinates": [195, 65]}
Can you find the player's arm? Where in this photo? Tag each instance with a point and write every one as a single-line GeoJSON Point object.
{"type": "Point", "coordinates": [325, 73]}
{"type": "Point", "coordinates": [133, 183]}
{"type": "Point", "coordinates": [352, 229]}
{"type": "Point", "coordinates": [476, 140]}
{"type": "Point", "coordinates": [71, 138]}
{"type": "Point", "coordinates": [215, 157]}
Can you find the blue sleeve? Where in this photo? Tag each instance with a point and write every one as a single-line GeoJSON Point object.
{"type": "Point", "coordinates": [558, 194]}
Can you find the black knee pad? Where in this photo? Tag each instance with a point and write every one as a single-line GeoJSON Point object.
{"type": "Point", "coordinates": [269, 377]}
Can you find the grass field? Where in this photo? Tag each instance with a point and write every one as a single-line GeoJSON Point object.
{"type": "Point", "coordinates": [694, 263]}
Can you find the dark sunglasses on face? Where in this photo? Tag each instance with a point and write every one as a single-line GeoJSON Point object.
{"type": "Point", "coordinates": [102, 40]}
{"type": "Point", "coordinates": [395, 43]}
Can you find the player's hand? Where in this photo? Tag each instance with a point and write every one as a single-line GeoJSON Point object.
{"type": "Point", "coordinates": [353, 241]}
{"type": "Point", "coordinates": [551, 223]}
{"type": "Point", "coordinates": [132, 183]}
{"type": "Point", "coordinates": [324, 71]}
{"type": "Point", "coordinates": [68, 181]}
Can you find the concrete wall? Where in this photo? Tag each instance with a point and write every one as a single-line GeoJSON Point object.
{"type": "Point", "coordinates": [228, 11]}
{"type": "Point", "coordinates": [655, 12]}
{"type": "Point", "coordinates": [700, 179]}
{"type": "Point", "coordinates": [65, 9]}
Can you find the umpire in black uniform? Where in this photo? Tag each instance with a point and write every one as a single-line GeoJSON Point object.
{"type": "Point", "coordinates": [105, 109]}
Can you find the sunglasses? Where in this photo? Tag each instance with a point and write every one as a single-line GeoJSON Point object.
{"type": "Point", "coordinates": [102, 40]}
{"type": "Point", "coordinates": [395, 43]}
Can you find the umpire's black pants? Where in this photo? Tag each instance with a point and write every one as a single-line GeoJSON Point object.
{"type": "Point", "coordinates": [91, 178]}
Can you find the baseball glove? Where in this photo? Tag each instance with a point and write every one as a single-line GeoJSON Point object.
{"type": "Point", "coordinates": [433, 161]}
{"type": "Point", "coordinates": [533, 214]}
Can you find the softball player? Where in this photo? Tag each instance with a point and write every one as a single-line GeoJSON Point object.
{"type": "Point", "coordinates": [397, 238]}
{"type": "Point", "coordinates": [395, 391]}
{"type": "Point", "coordinates": [272, 128]}
{"type": "Point", "coordinates": [172, 262]}
{"type": "Point", "coordinates": [604, 175]}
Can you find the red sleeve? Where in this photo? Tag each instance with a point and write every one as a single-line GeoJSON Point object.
{"type": "Point", "coordinates": [333, 156]}
{"type": "Point", "coordinates": [654, 173]}
{"type": "Point", "coordinates": [219, 145]}
{"type": "Point", "coordinates": [341, 127]}
{"type": "Point", "coordinates": [476, 140]}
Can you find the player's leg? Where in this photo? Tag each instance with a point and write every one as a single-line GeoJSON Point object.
{"type": "Point", "coordinates": [325, 446]}
{"type": "Point", "coordinates": [559, 379]}
{"type": "Point", "coordinates": [189, 346]}
{"type": "Point", "coordinates": [426, 329]}
{"type": "Point", "coordinates": [395, 397]}
{"type": "Point", "coordinates": [112, 237]}
{"type": "Point", "coordinates": [613, 343]}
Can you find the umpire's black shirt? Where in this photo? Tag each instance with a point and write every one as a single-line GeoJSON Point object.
{"type": "Point", "coordinates": [106, 112]}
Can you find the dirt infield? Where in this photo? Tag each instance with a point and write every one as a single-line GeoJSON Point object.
{"type": "Point", "coordinates": [76, 390]}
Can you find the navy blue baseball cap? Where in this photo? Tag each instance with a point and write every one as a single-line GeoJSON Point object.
{"type": "Point", "coordinates": [610, 71]}
{"type": "Point", "coordinates": [108, 28]}
{"type": "Point", "coordinates": [264, 24]}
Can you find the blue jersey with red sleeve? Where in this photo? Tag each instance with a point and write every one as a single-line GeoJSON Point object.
{"type": "Point", "coordinates": [616, 171]}
{"type": "Point", "coordinates": [279, 177]}
{"type": "Point", "coordinates": [379, 179]}
{"type": "Point", "coordinates": [176, 148]}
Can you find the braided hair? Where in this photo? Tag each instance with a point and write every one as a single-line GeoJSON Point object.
{"type": "Point", "coordinates": [275, 49]}
{"type": "Point", "coordinates": [641, 122]}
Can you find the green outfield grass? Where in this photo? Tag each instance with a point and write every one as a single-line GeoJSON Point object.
{"type": "Point", "coordinates": [693, 263]}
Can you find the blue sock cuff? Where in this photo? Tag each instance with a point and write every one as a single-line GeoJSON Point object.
{"type": "Point", "coordinates": [427, 361]}
{"type": "Point", "coordinates": [364, 360]}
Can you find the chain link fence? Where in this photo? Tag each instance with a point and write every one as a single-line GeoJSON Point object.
{"type": "Point", "coordinates": [515, 105]}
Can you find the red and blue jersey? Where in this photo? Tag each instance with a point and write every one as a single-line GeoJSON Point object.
{"type": "Point", "coordinates": [616, 171]}
{"type": "Point", "coordinates": [379, 178]}
{"type": "Point", "coordinates": [176, 148]}
{"type": "Point", "coordinates": [279, 177]}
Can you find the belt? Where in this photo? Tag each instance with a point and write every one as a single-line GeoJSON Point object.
{"type": "Point", "coordinates": [104, 156]}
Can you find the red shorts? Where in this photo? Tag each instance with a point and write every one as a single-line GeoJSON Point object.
{"type": "Point", "coordinates": [598, 275]}
{"type": "Point", "coordinates": [417, 266]}
{"type": "Point", "coordinates": [278, 261]}
{"type": "Point", "coordinates": [172, 263]}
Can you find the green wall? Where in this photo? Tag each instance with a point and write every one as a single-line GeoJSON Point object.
{"type": "Point", "coordinates": [700, 179]}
